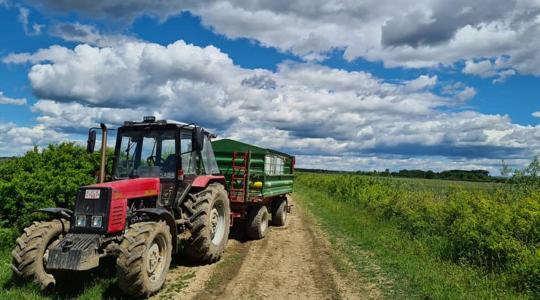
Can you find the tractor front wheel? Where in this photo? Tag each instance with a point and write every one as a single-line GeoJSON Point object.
{"type": "Point", "coordinates": [145, 258]}
{"type": "Point", "coordinates": [29, 258]}
{"type": "Point", "coordinates": [209, 216]}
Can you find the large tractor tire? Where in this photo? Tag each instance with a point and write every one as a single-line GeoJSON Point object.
{"type": "Point", "coordinates": [279, 212]}
{"type": "Point", "coordinates": [145, 258]}
{"type": "Point", "coordinates": [29, 258]}
{"type": "Point", "coordinates": [257, 222]}
{"type": "Point", "coordinates": [209, 216]}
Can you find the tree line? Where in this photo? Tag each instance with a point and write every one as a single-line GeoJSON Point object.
{"type": "Point", "coordinates": [462, 175]}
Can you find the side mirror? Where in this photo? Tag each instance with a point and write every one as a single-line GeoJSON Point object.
{"type": "Point", "coordinates": [197, 139]}
{"type": "Point", "coordinates": [91, 143]}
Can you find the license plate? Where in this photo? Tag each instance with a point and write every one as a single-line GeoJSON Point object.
{"type": "Point", "coordinates": [92, 194]}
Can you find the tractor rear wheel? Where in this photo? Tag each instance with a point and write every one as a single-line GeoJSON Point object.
{"type": "Point", "coordinates": [144, 261]}
{"type": "Point", "coordinates": [29, 258]}
{"type": "Point", "coordinates": [279, 212]}
{"type": "Point", "coordinates": [257, 222]}
{"type": "Point", "coordinates": [209, 216]}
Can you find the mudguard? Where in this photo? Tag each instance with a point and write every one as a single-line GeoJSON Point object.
{"type": "Point", "coordinates": [62, 213]}
{"type": "Point", "coordinates": [165, 215]}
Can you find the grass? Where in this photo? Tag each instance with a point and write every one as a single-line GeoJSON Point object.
{"type": "Point", "coordinates": [401, 266]}
{"type": "Point", "coordinates": [169, 290]}
{"type": "Point", "coordinates": [99, 284]}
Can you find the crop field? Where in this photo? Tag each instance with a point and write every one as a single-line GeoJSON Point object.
{"type": "Point", "coordinates": [433, 238]}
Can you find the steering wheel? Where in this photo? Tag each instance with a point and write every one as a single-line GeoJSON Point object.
{"type": "Point", "coordinates": [153, 159]}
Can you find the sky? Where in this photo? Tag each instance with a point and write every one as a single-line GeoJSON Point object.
{"type": "Point", "coordinates": [343, 85]}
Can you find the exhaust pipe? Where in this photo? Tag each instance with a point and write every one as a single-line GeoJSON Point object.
{"type": "Point", "coordinates": [103, 152]}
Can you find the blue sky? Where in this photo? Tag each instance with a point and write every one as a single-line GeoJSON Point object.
{"type": "Point", "coordinates": [365, 85]}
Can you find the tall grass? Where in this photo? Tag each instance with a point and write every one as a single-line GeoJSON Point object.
{"type": "Point", "coordinates": [495, 228]}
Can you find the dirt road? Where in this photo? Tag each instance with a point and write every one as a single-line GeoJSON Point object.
{"type": "Point", "coordinates": [291, 262]}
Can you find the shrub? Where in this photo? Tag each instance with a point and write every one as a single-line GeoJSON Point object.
{"type": "Point", "coordinates": [49, 178]}
{"type": "Point", "coordinates": [492, 226]}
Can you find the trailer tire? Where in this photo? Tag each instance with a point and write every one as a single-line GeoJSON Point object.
{"type": "Point", "coordinates": [279, 212]}
{"type": "Point", "coordinates": [30, 253]}
{"type": "Point", "coordinates": [144, 259]}
{"type": "Point", "coordinates": [209, 215]}
{"type": "Point", "coordinates": [257, 222]}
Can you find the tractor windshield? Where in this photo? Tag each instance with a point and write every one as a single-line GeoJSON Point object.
{"type": "Point", "coordinates": [146, 153]}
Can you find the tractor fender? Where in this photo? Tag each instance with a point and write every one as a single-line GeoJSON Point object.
{"type": "Point", "coordinates": [165, 215]}
{"type": "Point", "coordinates": [62, 213]}
{"type": "Point", "coordinates": [204, 180]}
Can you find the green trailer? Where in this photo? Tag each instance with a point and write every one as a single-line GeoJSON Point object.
{"type": "Point", "coordinates": [257, 179]}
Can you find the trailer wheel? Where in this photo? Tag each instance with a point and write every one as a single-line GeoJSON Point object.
{"type": "Point", "coordinates": [279, 212]}
{"type": "Point", "coordinates": [209, 216]}
{"type": "Point", "coordinates": [257, 222]}
{"type": "Point", "coordinates": [29, 258]}
{"type": "Point", "coordinates": [144, 261]}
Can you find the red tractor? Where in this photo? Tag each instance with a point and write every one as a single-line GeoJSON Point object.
{"type": "Point", "coordinates": [165, 187]}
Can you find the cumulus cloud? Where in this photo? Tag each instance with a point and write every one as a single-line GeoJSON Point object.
{"type": "Point", "coordinates": [11, 101]}
{"type": "Point", "coordinates": [15, 140]}
{"type": "Point", "coordinates": [412, 34]}
{"type": "Point", "coordinates": [422, 82]}
{"type": "Point", "coordinates": [303, 108]}
{"type": "Point", "coordinates": [459, 91]}
{"type": "Point", "coordinates": [488, 68]}
{"type": "Point", "coordinates": [484, 68]}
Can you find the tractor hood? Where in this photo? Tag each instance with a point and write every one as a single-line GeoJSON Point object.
{"type": "Point", "coordinates": [131, 188]}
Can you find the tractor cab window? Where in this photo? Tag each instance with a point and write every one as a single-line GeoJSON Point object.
{"type": "Point", "coordinates": [192, 163]}
{"type": "Point", "coordinates": [148, 153]}
{"type": "Point", "coordinates": [209, 159]}
{"type": "Point", "coordinates": [189, 157]}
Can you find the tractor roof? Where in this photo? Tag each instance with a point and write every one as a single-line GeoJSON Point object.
{"type": "Point", "coordinates": [151, 121]}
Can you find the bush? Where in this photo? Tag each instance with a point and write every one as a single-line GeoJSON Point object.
{"type": "Point", "coordinates": [7, 237]}
{"type": "Point", "coordinates": [49, 178]}
{"type": "Point", "coordinates": [493, 226]}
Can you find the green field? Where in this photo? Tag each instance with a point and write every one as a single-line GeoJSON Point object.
{"type": "Point", "coordinates": [432, 238]}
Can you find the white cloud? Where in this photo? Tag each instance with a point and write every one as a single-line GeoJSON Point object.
{"type": "Point", "coordinates": [15, 140]}
{"type": "Point", "coordinates": [466, 94]}
{"type": "Point", "coordinates": [459, 91]}
{"type": "Point", "coordinates": [482, 68]}
{"type": "Point", "coordinates": [302, 108]}
{"type": "Point", "coordinates": [34, 29]}
{"type": "Point", "coordinates": [425, 33]}
{"type": "Point", "coordinates": [536, 114]}
{"type": "Point", "coordinates": [11, 101]}
{"type": "Point", "coordinates": [503, 75]}
{"type": "Point", "coordinates": [422, 82]}
{"type": "Point", "coordinates": [87, 34]}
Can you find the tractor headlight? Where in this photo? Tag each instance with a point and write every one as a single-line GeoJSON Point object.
{"type": "Point", "coordinates": [97, 221]}
{"type": "Point", "coordinates": [80, 220]}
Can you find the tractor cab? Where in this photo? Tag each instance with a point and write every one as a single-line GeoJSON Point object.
{"type": "Point", "coordinates": [174, 152]}
{"type": "Point", "coordinates": [163, 149]}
